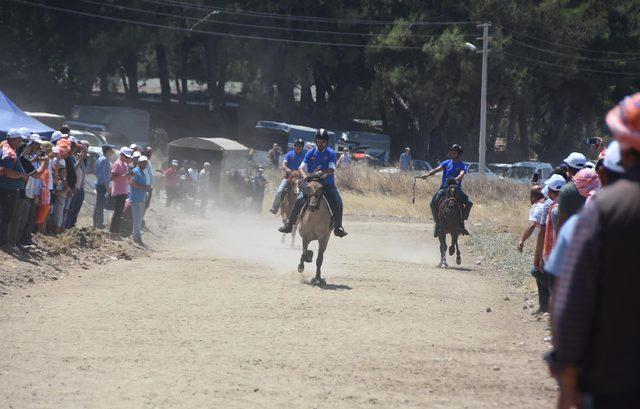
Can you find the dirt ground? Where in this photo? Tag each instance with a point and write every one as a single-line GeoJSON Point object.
{"type": "Point", "coordinates": [217, 316]}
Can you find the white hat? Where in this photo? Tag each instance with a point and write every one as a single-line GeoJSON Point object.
{"type": "Point", "coordinates": [590, 165]}
{"type": "Point", "coordinates": [143, 158]}
{"type": "Point", "coordinates": [133, 146]}
{"type": "Point", "coordinates": [13, 133]}
{"type": "Point", "coordinates": [555, 183]}
{"type": "Point", "coordinates": [24, 132]}
{"type": "Point", "coordinates": [126, 152]}
{"type": "Point", "coordinates": [56, 136]}
{"type": "Point", "coordinates": [613, 157]}
{"type": "Point", "coordinates": [137, 154]}
{"type": "Point", "coordinates": [36, 138]}
{"type": "Point", "coordinates": [576, 160]}
{"type": "Point", "coordinates": [175, 162]}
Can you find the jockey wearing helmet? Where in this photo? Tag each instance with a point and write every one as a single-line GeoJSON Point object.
{"type": "Point", "coordinates": [321, 161]}
{"type": "Point", "coordinates": [290, 164]}
{"type": "Point", "coordinates": [454, 168]}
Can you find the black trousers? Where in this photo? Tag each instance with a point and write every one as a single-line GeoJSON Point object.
{"type": "Point", "coordinates": [543, 281]}
{"type": "Point", "coordinates": [29, 220]}
{"type": "Point", "coordinates": [8, 199]}
{"type": "Point", "coordinates": [118, 208]}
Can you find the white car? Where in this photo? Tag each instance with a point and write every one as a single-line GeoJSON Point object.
{"type": "Point", "coordinates": [522, 172]}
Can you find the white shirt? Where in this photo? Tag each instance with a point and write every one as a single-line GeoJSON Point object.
{"type": "Point", "coordinates": [193, 173]}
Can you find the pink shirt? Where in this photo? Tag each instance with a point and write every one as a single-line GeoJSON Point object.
{"type": "Point", "coordinates": [120, 184]}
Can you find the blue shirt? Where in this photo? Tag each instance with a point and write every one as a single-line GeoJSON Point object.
{"type": "Point", "coordinates": [405, 161]}
{"type": "Point", "coordinates": [138, 195]}
{"type": "Point", "coordinates": [103, 172]}
{"type": "Point", "coordinates": [324, 160]}
{"type": "Point", "coordinates": [451, 169]}
{"type": "Point", "coordinates": [294, 159]}
{"type": "Point", "coordinates": [8, 183]}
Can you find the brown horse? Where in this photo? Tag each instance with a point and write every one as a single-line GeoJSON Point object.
{"type": "Point", "coordinates": [315, 224]}
{"type": "Point", "coordinates": [450, 221]}
{"type": "Point", "coordinates": [290, 195]}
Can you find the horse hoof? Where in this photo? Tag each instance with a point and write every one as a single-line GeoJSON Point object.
{"type": "Point", "coordinates": [318, 282]}
{"type": "Point", "coordinates": [458, 260]}
{"type": "Point", "coordinates": [452, 250]}
{"type": "Point", "coordinates": [443, 264]}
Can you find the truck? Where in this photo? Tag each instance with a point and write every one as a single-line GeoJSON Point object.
{"type": "Point", "coordinates": [131, 122]}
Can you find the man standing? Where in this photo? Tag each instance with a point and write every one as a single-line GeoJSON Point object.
{"type": "Point", "coordinates": [12, 180]}
{"type": "Point", "coordinates": [138, 197]}
{"type": "Point", "coordinates": [103, 179]}
{"type": "Point", "coordinates": [171, 180]}
{"type": "Point", "coordinates": [204, 185]}
{"type": "Point", "coordinates": [406, 162]}
{"type": "Point", "coordinates": [454, 168]}
{"type": "Point", "coordinates": [571, 201]}
{"type": "Point", "coordinates": [81, 175]}
{"type": "Point", "coordinates": [595, 319]}
{"type": "Point", "coordinates": [290, 165]}
{"type": "Point", "coordinates": [148, 171]}
{"type": "Point", "coordinates": [259, 184]}
{"type": "Point", "coordinates": [120, 188]}
{"type": "Point", "coordinates": [274, 155]}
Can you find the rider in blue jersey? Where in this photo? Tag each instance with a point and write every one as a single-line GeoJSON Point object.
{"type": "Point", "coordinates": [320, 162]}
{"type": "Point", "coordinates": [290, 164]}
{"type": "Point", "coordinates": [453, 168]}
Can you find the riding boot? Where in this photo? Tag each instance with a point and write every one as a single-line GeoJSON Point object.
{"type": "Point", "coordinates": [297, 208]}
{"type": "Point", "coordinates": [335, 202]}
{"type": "Point", "coordinates": [276, 202]}
{"type": "Point", "coordinates": [463, 229]}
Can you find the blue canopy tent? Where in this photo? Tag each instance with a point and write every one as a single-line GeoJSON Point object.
{"type": "Point", "coordinates": [13, 117]}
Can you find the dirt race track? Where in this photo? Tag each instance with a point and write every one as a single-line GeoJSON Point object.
{"type": "Point", "coordinates": [224, 320]}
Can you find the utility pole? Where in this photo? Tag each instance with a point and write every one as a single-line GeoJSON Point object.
{"type": "Point", "coordinates": [482, 144]}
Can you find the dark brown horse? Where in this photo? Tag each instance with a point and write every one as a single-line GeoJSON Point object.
{"type": "Point", "coordinates": [290, 195]}
{"type": "Point", "coordinates": [450, 221]}
{"type": "Point", "coordinates": [315, 224]}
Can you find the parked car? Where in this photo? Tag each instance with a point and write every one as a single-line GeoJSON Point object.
{"type": "Point", "coordinates": [522, 172]}
{"type": "Point", "coordinates": [116, 139]}
{"type": "Point", "coordinates": [500, 169]}
{"type": "Point", "coordinates": [474, 168]}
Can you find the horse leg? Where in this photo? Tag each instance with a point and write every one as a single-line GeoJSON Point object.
{"type": "Point", "coordinates": [322, 246]}
{"type": "Point", "coordinates": [282, 240]}
{"type": "Point", "coordinates": [293, 235]}
{"type": "Point", "coordinates": [305, 244]}
{"type": "Point", "coordinates": [458, 258]}
{"type": "Point", "coordinates": [443, 250]}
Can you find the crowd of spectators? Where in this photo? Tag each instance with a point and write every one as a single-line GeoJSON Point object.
{"type": "Point", "coordinates": [43, 181]}
{"type": "Point", "coordinates": [587, 217]}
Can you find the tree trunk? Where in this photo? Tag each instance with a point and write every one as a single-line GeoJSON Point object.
{"type": "Point", "coordinates": [494, 130]}
{"type": "Point", "coordinates": [523, 132]}
{"type": "Point", "coordinates": [104, 83]}
{"type": "Point", "coordinates": [123, 77]}
{"type": "Point", "coordinates": [511, 130]}
{"type": "Point", "coordinates": [211, 50]}
{"type": "Point", "coordinates": [184, 71]}
{"type": "Point", "coordinates": [130, 64]}
{"type": "Point", "coordinates": [163, 73]}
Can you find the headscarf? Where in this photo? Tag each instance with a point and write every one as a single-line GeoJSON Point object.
{"type": "Point", "coordinates": [587, 182]}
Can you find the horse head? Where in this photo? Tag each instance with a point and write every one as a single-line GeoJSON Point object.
{"type": "Point", "coordinates": [315, 194]}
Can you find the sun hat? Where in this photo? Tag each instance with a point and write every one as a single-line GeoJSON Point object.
{"type": "Point", "coordinates": [613, 157]}
{"type": "Point", "coordinates": [126, 152]}
{"type": "Point", "coordinates": [24, 132]}
{"type": "Point", "coordinates": [143, 158]}
{"type": "Point", "coordinates": [576, 160]}
{"type": "Point", "coordinates": [624, 121]}
{"type": "Point", "coordinates": [137, 154]}
{"type": "Point", "coordinates": [13, 134]}
{"type": "Point", "coordinates": [586, 181]}
{"type": "Point", "coordinates": [56, 136]}
{"type": "Point", "coordinates": [555, 183]}
{"type": "Point", "coordinates": [133, 146]}
{"type": "Point", "coordinates": [175, 162]}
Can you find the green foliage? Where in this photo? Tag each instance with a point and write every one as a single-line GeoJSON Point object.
{"type": "Point", "coordinates": [554, 65]}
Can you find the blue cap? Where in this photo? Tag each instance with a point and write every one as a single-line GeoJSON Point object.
{"type": "Point", "coordinates": [13, 133]}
